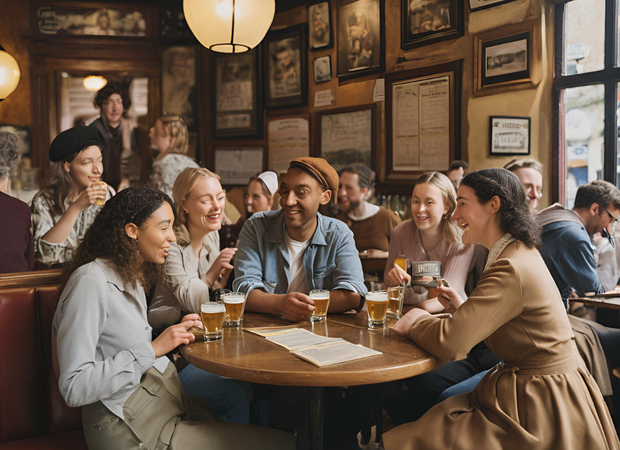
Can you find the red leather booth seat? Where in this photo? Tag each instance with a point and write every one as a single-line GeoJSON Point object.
{"type": "Point", "coordinates": [33, 415]}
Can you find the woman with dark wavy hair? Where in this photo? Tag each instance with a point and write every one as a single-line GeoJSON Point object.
{"type": "Point", "coordinates": [541, 396]}
{"type": "Point", "coordinates": [130, 393]}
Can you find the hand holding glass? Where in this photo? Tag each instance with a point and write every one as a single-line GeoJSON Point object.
{"type": "Point", "coordinates": [320, 298]}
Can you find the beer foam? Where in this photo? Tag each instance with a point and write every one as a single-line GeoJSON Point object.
{"type": "Point", "coordinates": [319, 295]}
{"type": "Point", "coordinates": [211, 308]}
{"type": "Point", "coordinates": [377, 296]}
{"type": "Point", "coordinates": [233, 299]}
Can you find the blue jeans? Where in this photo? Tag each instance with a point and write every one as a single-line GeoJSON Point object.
{"type": "Point", "coordinates": [462, 387]}
{"type": "Point", "coordinates": [229, 398]}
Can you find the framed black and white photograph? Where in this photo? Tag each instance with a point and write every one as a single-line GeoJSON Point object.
{"type": "Point", "coordinates": [320, 26]}
{"type": "Point", "coordinates": [509, 135]}
{"type": "Point", "coordinates": [477, 5]}
{"type": "Point", "coordinates": [86, 19]}
{"type": "Point", "coordinates": [426, 22]}
{"type": "Point", "coordinates": [507, 58]}
{"type": "Point", "coordinates": [178, 83]}
{"type": "Point", "coordinates": [286, 82]}
{"type": "Point", "coordinates": [322, 69]}
{"type": "Point", "coordinates": [237, 108]}
{"type": "Point", "coordinates": [361, 38]}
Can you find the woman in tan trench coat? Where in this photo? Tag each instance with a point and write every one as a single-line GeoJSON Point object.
{"type": "Point", "coordinates": [540, 396]}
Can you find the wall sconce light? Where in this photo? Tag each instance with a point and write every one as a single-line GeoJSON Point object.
{"type": "Point", "coordinates": [9, 74]}
{"type": "Point", "coordinates": [94, 82]}
{"type": "Point", "coordinates": [229, 26]}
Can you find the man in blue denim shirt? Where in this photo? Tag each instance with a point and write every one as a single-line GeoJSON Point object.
{"type": "Point", "coordinates": [281, 256]}
{"type": "Point", "coordinates": [284, 254]}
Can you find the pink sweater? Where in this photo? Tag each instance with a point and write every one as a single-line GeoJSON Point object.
{"type": "Point", "coordinates": [456, 259]}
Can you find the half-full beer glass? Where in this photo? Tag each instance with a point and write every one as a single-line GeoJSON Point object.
{"type": "Point", "coordinates": [234, 303]}
{"type": "Point", "coordinates": [320, 297]}
{"type": "Point", "coordinates": [212, 314]}
{"type": "Point", "coordinates": [395, 302]}
{"type": "Point", "coordinates": [377, 304]}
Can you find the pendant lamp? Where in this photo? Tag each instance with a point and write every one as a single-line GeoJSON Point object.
{"type": "Point", "coordinates": [9, 74]}
{"type": "Point", "coordinates": [229, 26]}
{"type": "Point", "coordinates": [94, 82]}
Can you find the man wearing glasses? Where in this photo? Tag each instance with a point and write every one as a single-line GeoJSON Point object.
{"type": "Point", "coordinates": [567, 237]}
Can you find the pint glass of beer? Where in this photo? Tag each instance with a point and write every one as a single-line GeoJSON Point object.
{"type": "Point", "coordinates": [395, 302]}
{"type": "Point", "coordinates": [212, 314]}
{"type": "Point", "coordinates": [320, 298]}
{"type": "Point", "coordinates": [235, 305]}
{"type": "Point", "coordinates": [377, 304]}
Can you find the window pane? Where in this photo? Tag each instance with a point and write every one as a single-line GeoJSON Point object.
{"type": "Point", "coordinates": [585, 36]}
{"type": "Point", "coordinates": [584, 118]}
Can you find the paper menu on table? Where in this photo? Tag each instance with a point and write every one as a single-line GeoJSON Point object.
{"type": "Point", "coordinates": [301, 339]}
{"type": "Point", "coordinates": [334, 353]}
{"type": "Point", "coordinates": [265, 332]}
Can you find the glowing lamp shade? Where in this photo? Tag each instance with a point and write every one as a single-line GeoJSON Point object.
{"type": "Point", "coordinates": [229, 26]}
{"type": "Point", "coordinates": [94, 82]}
{"type": "Point", "coordinates": [9, 74]}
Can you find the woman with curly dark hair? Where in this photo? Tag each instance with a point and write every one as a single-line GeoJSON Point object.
{"type": "Point", "coordinates": [541, 396]}
{"type": "Point", "coordinates": [129, 391]}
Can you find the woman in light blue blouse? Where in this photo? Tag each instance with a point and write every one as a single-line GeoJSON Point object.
{"type": "Point", "coordinates": [130, 393]}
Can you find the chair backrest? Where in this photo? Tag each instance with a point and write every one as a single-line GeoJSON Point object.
{"type": "Point", "coordinates": [30, 403]}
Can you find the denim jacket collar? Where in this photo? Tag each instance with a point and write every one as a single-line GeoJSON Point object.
{"type": "Point", "coordinates": [276, 232]}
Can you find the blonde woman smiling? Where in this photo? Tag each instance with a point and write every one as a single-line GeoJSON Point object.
{"type": "Point", "coordinates": [194, 266]}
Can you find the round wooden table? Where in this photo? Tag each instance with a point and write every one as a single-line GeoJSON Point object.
{"type": "Point", "coordinates": [249, 357]}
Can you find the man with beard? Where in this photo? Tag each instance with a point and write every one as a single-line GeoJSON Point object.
{"type": "Point", "coordinates": [281, 256]}
{"type": "Point", "coordinates": [113, 100]}
{"type": "Point", "coordinates": [372, 225]}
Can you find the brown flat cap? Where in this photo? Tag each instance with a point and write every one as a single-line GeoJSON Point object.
{"type": "Point", "coordinates": [319, 169]}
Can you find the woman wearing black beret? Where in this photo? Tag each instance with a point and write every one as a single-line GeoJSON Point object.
{"type": "Point", "coordinates": [62, 214]}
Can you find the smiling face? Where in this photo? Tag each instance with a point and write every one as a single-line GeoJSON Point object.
{"type": "Point", "coordinates": [350, 194]}
{"type": "Point", "coordinates": [471, 216]}
{"type": "Point", "coordinates": [427, 207]}
{"type": "Point", "coordinates": [156, 234]}
{"type": "Point", "coordinates": [86, 168]}
{"type": "Point", "coordinates": [113, 109]}
{"type": "Point", "coordinates": [300, 197]}
{"type": "Point", "coordinates": [255, 199]}
{"type": "Point", "coordinates": [532, 182]}
{"type": "Point", "coordinates": [204, 205]}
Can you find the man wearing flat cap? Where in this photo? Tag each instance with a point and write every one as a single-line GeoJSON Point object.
{"type": "Point", "coordinates": [283, 255]}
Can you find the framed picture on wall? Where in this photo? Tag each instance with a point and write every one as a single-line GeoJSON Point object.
{"type": "Point", "coordinates": [236, 107]}
{"type": "Point", "coordinates": [178, 83]}
{"type": "Point", "coordinates": [236, 165]}
{"type": "Point", "coordinates": [430, 21]}
{"type": "Point", "coordinates": [287, 138]}
{"type": "Point", "coordinates": [85, 19]}
{"type": "Point", "coordinates": [346, 136]}
{"type": "Point", "coordinates": [507, 58]}
{"type": "Point", "coordinates": [286, 82]}
{"type": "Point", "coordinates": [361, 38]}
{"type": "Point", "coordinates": [320, 26]}
{"type": "Point", "coordinates": [509, 135]}
{"type": "Point", "coordinates": [322, 69]}
{"type": "Point", "coordinates": [422, 120]}
{"type": "Point", "coordinates": [477, 5]}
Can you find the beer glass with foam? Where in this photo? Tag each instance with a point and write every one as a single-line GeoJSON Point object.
{"type": "Point", "coordinates": [377, 305]}
{"type": "Point", "coordinates": [212, 314]}
{"type": "Point", "coordinates": [320, 297]}
{"type": "Point", "coordinates": [234, 302]}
